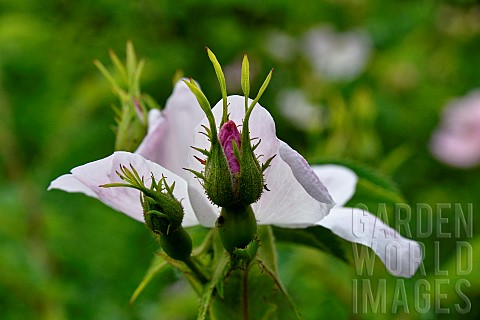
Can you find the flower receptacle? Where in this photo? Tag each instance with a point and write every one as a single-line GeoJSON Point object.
{"type": "Point", "coordinates": [237, 227]}
{"type": "Point", "coordinates": [177, 244]}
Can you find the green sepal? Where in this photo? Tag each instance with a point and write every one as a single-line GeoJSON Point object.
{"type": "Point", "coordinates": [196, 173]}
{"type": "Point", "coordinates": [259, 94]}
{"type": "Point", "coordinates": [202, 151]}
{"type": "Point", "coordinates": [221, 81]}
{"type": "Point", "coordinates": [242, 257]}
{"type": "Point", "coordinates": [250, 180]}
{"type": "Point", "coordinates": [246, 79]}
{"type": "Point", "coordinates": [162, 212]}
{"type": "Point", "coordinates": [218, 184]}
{"type": "Point", "coordinates": [266, 164]}
{"type": "Point", "coordinates": [205, 105]}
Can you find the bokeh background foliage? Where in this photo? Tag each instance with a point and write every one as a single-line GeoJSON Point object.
{"type": "Point", "coordinates": [64, 256]}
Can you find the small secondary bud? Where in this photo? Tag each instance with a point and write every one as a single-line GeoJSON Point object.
{"type": "Point", "coordinates": [162, 212]}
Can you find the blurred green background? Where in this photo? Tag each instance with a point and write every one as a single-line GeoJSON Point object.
{"type": "Point", "coordinates": [66, 256]}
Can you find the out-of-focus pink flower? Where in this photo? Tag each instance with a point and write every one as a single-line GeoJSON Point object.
{"type": "Point", "coordinates": [457, 141]}
{"type": "Point", "coordinates": [295, 106]}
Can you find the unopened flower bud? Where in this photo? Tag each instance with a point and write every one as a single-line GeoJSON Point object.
{"type": "Point", "coordinates": [163, 216]}
{"type": "Point", "coordinates": [233, 176]}
{"type": "Point", "coordinates": [163, 213]}
{"type": "Point", "coordinates": [229, 137]}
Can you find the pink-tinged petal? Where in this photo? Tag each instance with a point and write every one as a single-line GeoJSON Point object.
{"type": "Point", "coordinates": [401, 256]}
{"type": "Point", "coordinates": [170, 136]}
{"type": "Point", "coordinates": [304, 174]}
{"type": "Point", "coordinates": [340, 182]}
{"type": "Point", "coordinates": [69, 183]}
{"type": "Point", "coordinates": [457, 150]}
{"type": "Point", "coordinates": [126, 200]}
{"type": "Point", "coordinates": [457, 140]}
{"type": "Point", "coordinates": [287, 204]}
{"type": "Point", "coordinates": [155, 136]}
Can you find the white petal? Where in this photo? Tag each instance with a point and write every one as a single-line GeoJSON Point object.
{"type": "Point", "coordinates": [126, 200]}
{"type": "Point", "coordinates": [205, 211]}
{"type": "Point", "coordinates": [171, 135]}
{"type": "Point", "coordinates": [69, 183]}
{"type": "Point", "coordinates": [401, 256]}
{"type": "Point", "coordinates": [340, 181]}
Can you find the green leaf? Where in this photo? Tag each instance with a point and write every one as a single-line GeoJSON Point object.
{"type": "Point", "coordinates": [267, 252]}
{"type": "Point", "coordinates": [187, 273]}
{"type": "Point", "coordinates": [252, 294]}
{"type": "Point", "coordinates": [255, 292]}
{"type": "Point", "coordinates": [368, 190]}
{"type": "Point", "coordinates": [218, 276]}
{"type": "Point", "coordinates": [317, 237]}
{"type": "Point", "coordinates": [267, 259]}
{"type": "Point", "coordinates": [157, 265]}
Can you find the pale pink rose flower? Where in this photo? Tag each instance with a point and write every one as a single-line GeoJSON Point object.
{"type": "Point", "coordinates": [297, 199]}
{"type": "Point", "coordinates": [457, 140]}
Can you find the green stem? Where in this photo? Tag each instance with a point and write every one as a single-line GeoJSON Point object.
{"type": "Point", "coordinates": [198, 273]}
{"type": "Point", "coordinates": [245, 294]}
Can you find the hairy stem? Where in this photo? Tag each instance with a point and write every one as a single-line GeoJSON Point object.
{"type": "Point", "coordinates": [198, 273]}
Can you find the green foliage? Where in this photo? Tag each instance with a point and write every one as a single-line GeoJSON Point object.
{"type": "Point", "coordinates": [316, 237]}
{"type": "Point", "coordinates": [157, 265]}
